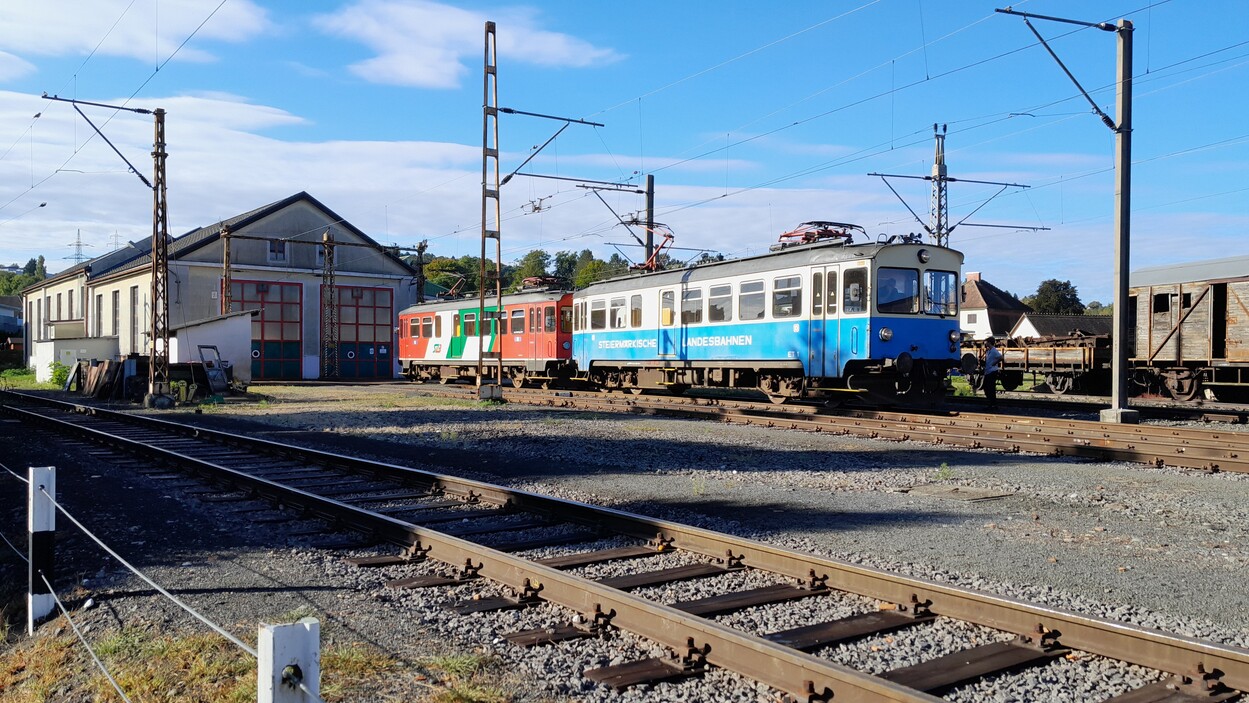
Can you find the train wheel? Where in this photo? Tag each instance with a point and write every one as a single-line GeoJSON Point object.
{"type": "Point", "coordinates": [637, 390]}
{"type": "Point", "coordinates": [1184, 387]}
{"type": "Point", "coordinates": [1059, 384]}
{"type": "Point", "coordinates": [777, 399]}
{"type": "Point", "coordinates": [519, 379]}
{"type": "Point", "coordinates": [975, 381]}
{"type": "Point", "coordinates": [1011, 380]}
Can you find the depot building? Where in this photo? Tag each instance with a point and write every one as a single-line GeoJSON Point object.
{"type": "Point", "coordinates": [261, 306]}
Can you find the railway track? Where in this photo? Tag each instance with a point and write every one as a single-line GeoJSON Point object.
{"type": "Point", "coordinates": [1179, 447]}
{"type": "Point", "coordinates": [479, 531]}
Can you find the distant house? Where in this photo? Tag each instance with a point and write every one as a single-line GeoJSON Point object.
{"type": "Point", "coordinates": [10, 315]}
{"type": "Point", "coordinates": [1034, 324]}
{"type": "Point", "coordinates": [988, 311]}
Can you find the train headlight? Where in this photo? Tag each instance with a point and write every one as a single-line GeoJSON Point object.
{"type": "Point", "coordinates": [923, 256]}
{"type": "Point", "coordinates": [885, 334]}
{"type": "Point", "coordinates": [954, 336]}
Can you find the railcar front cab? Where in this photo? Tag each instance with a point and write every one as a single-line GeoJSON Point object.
{"type": "Point", "coordinates": [912, 330]}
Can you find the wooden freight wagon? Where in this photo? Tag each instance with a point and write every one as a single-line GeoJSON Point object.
{"type": "Point", "coordinates": [1192, 329]}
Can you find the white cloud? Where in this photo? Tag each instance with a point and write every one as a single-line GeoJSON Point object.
{"type": "Point", "coordinates": [143, 30]}
{"type": "Point", "coordinates": [428, 44]}
{"type": "Point", "coordinates": [13, 67]}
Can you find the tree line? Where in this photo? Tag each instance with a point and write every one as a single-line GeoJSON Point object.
{"type": "Point", "coordinates": [571, 269]}
{"type": "Point", "coordinates": [1055, 297]}
{"type": "Point", "coordinates": [34, 271]}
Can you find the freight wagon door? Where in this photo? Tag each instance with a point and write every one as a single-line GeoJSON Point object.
{"type": "Point", "coordinates": [1237, 325]}
{"type": "Point", "coordinates": [825, 329]}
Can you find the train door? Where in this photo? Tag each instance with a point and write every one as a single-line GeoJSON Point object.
{"type": "Point", "coordinates": [825, 330]}
{"type": "Point", "coordinates": [668, 329]}
{"type": "Point", "coordinates": [852, 342]}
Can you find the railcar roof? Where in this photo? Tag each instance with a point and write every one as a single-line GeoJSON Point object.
{"type": "Point", "coordinates": [1191, 272]}
{"type": "Point", "coordinates": [539, 296]}
{"type": "Point", "coordinates": [819, 253]}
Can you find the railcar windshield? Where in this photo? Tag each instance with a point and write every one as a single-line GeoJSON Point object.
{"type": "Point", "coordinates": [897, 291]}
{"type": "Point", "coordinates": [941, 293]}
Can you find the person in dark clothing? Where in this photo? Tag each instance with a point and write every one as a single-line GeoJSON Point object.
{"type": "Point", "coordinates": [992, 369]}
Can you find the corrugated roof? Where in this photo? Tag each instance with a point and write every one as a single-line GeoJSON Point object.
{"type": "Point", "coordinates": [1069, 325]}
{"type": "Point", "coordinates": [1189, 271]}
{"type": "Point", "coordinates": [202, 236]}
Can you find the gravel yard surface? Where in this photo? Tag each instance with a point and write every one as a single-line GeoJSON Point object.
{"type": "Point", "coordinates": [1157, 547]}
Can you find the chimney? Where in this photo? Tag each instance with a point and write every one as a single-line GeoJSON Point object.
{"type": "Point", "coordinates": [973, 275]}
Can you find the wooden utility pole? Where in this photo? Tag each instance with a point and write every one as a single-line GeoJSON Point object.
{"type": "Point", "coordinates": [227, 285]}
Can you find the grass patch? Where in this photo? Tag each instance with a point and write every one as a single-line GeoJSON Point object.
{"type": "Point", "coordinates": [152, 667]}
{"type": "Point", "coordinates": [462, 684]}
{"type": "Point", "coordinates": [23, 380]}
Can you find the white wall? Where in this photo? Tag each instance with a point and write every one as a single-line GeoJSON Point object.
{"type": "Point", "coordinates": [69, 352]}
{"type": "Point", "coordinates": [231, 335]}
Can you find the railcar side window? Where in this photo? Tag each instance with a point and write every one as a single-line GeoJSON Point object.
{"type": "Point", "coordinates": [470, 324]}
{"type": "Point", "coordinates": [691, 306]}
{"type": "Point", "coordinates": [941, 293]}
{"type": "Point", "coordinates": [831, 302]}
{"type": "Point", "coordinates": [750, 300]}
{"type": "Point", "coordinates": [897, 290]}
{"type": "Point", "coordinates": [548, 318]}
{"type": "Point", "coordinates": [455, 325]}
{"type": "Point", "coordinates": [817, 294]}
{"type": "Point", "coordinates": [533, 320]}
{"type": "Point", "coordinates": [414, 327]}
{"type": "Point", "coordinates": [667, 308]}
{"type": "Point", "coordinates": [438, 326]}
{"type": "Point", "coordinates": [427, 327]}
{"type": "Point", "coordinates": [635, 311]}
{"type": "Point", "coordinates": [787, 296]}
{"type": "Point", "coordinates": [720, 303]}
{"type": "Point", "coordinates": [518, 322]}
{"type": "Point", "coordinates": [853, 290]}
{"type": "Point", "coordinates": [616, 314]}
{"type": "Point", "coordinates": [565, 319]}
{"type": "Point", "coordinates": [598, 315]}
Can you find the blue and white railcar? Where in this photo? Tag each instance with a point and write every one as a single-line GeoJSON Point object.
{"type": "Point", "coordinates": [828, 318]}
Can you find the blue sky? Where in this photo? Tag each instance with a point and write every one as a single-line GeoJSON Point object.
{"type": "Point", "coordinates": [752, 118]}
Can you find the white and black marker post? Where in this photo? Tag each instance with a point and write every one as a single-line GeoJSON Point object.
{"type": "Point", "coordinates": [41, 525]}
{"type": "Point", "coordinates": [289, 666]}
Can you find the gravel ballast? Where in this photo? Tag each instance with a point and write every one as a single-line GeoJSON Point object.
{"type": "Point", "coordinates": [1155, 547]}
